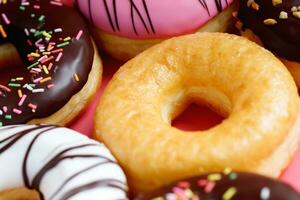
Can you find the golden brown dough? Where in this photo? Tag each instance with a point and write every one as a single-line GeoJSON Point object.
{"type": "Point", "coordinates": [236, 77]}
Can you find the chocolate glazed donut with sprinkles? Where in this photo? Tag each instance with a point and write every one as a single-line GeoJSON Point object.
{"type": "Point", "coordinates": [226, 186]}
{"type": "Point", "coordinates": [49, 68]}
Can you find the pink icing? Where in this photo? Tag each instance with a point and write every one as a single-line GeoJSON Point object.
{"type": "Point", "coordinates": [168, 17]}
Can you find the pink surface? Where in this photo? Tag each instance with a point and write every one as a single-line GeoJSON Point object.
{"type": "Point", "coordinates": [194, 118]}
{"type": "Point", "coordinates": [150, 19]}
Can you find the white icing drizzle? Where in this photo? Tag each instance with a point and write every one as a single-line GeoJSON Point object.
{"type": "Point", "coordinates": [59, 163]}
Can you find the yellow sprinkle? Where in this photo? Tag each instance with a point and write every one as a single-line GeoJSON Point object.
{"type": "Point", "coordinates": [46, 53]}
{"type": "Point", "coordinates": [158, 198]}
{"type": "Point", "coordinates": [20, 79]}
{"type": "Point", "coordinates": [67, 38]}
{"type": "Point", "coordinates": [229, 193]}
{"type": "Point", "coordinates": [46, 34]}
{"type": "Point", "coordinates": [45, 80]}
{"type": "Point", "coordinates": [227, 170]}
{"type": "Point", "coordinates": [76, 77]}
{"type": "Point", "coordinates": [35, 55]}
{"type": "Point", "coordinates": [2, 31]}
{"type": "Point", "coordinates": [20, 93]}
{"type": "Point", "coordinates": [214, 177]}
{"type": "Point", "coordinates": [45, 69]}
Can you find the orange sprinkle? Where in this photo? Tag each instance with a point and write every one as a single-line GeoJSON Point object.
{"type": "Point", "coordinates": [20, 93]}
{"type": "Point", "coordinates": [2, 31]}
{"type": "Point", "coordinates": [45, 80]}
{"type": "Point", "coordinates": [76, 77]}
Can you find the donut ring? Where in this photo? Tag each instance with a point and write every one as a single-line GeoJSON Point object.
{"type": "Point", "coordinates": [57, 162]}
{"type": "Point", "coordinates": [49, 67]}
{"type": "Point", "coordinates": [247, 84]}
{"type": "Point", "coordinates": [126, 28]}
{"type": "Point", "coordinates": [280, 37]}
{"type": "Point", "coordinates": [216, 186]}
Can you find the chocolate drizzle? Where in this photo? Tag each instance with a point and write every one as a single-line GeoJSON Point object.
{"type": "Point", "coordinates": [281, 38]}
{"type": "Point", "coordinates": [77, 58]}
{"type": "Point", "coordinates": [247, 186]}
{"type": "Point", "coordinates": [42, 131]}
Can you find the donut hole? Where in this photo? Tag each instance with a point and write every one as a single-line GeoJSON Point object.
{"type": "Point", "coordinates": [197, 109]}
{"type": "Point", "coordinates": [197, 117]}
{"type": "Point", "coordinates": [9, 57]}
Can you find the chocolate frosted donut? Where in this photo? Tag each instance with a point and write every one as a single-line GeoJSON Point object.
{"type": "Point", "coordinates": [57, 57]}
{"type": "Point", "coordinates": [276, 24]}
{"type": "Point", "coordinates": [245, 186]}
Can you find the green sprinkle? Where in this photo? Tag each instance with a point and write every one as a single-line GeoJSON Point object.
{"type": "Point", "coordinates": [32, 15]}
{"type": "Point", "coordinates": [1, 124]}
{"type": "Point", "coordinates": [22, 8]}
{"type": "Point", "coordinates": [32, 85]}
{"type": "Point", "coordinates": [14, 85]}
{"type": "Point", "coordinates": [12, 80]}
{"type": "Point", "coordinates": [8, 117]}
{"type": "Point", "coordinates": [232, 176]}
{"type": "Point", "coordinates": [33, 64]}
{"type": "Point", "coordinates": [63, 44]}
{"type": "Point", "coordinates": [41, 18]}
{"type": "Point", "coordinates": [229, 193]}
{"type": "Point", "coordinates": [38, 33]}
{"type": "Point", "coordinates": [214, 177]}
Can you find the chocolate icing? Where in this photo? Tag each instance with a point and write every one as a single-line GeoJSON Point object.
{"type": "Point", "coordinates": [77, 58]}
{"type": "Point", "coordinates": [281, 38]}
{"type": "Point", "coordinates": [248, 187]}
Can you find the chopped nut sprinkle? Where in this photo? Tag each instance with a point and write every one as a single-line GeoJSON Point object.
{"type": "Point", "coordinates": [294, 9]}
{"type": "Point", "coordinates": [296, 14]}
{"type": "Point", "coordinates": [270, 22]}
{"type": "Point", "coordinates": [276, 2]}
{"type": "Point", "coordinates": [283, 15]}
{"type": "Point", "coordinates": [255, 6]}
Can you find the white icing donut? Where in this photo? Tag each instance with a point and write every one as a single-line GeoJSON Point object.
{"type": "Point", "coordinates": [59, 163]}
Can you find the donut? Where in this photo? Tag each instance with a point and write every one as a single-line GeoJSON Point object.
{"type": "Point", "coordinates": [237, 78]}
{"type": "Point", "coordinates": [57, 162]}
{"type": "Point", "coordinates": [50, 68]}
{"type": "Point", "coordinates": [276, 26]}
{"type": "Point", "coordinates": [125, 28]}
{"type": "Point", "coordinates": [215, 186]}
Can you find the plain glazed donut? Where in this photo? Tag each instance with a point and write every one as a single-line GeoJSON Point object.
{"type": "Point", "coordinates": [275, 26]}
{"type": "Point", "coordinates": [59, 163]}
{"type": "Point", "coordinates": [229, 186]}
{"type": "Point", "coordinates": [58, 69]}
{"type": "Point", "coordinates": [125, 28]}
{"type": "Point", "coordinates": [234, 76]}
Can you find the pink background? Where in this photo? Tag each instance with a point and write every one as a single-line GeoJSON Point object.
{"type": "Point", "coordinates": [194, 118]}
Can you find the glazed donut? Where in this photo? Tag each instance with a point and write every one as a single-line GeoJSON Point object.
{"type": "Point", "coordinates": [247, 85]}
{"type": "Point", "coordinates": [58, 69]}
{"type": "Point", "coordinates": [217, 186]}
{"type": "Point", "coordinates": [125, 28]}
{"type": "Point", "coordinates": [276, 26]}
{"type": "Point", "coordinates": [57, 162]}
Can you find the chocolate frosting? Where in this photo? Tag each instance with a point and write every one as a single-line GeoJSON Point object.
{"type": "Point", "coordinates": [76, 59]}
{"type": "Point", "coordinates": [281, 38]}
{"type": "Point", "coordinates": [247, 186]}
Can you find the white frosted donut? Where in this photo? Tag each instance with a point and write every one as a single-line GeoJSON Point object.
{"type": "Point", "coordinates": [59, 163]}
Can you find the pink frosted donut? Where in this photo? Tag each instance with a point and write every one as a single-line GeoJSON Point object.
{"type": "Point", "coordinates": [124, 28]}
{"type": "Point", "coordinates": [152, 18]}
